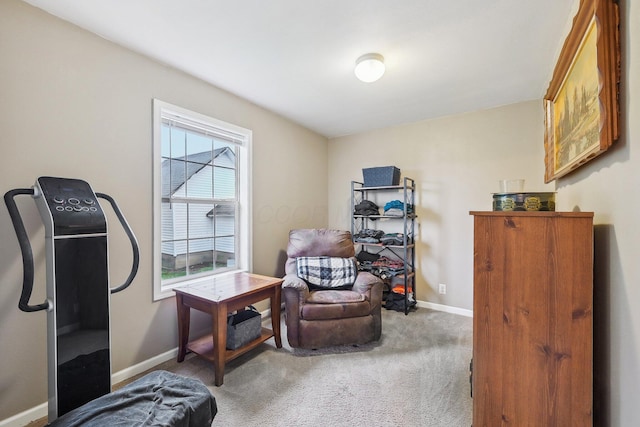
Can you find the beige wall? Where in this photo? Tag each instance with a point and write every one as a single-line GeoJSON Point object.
{"type": "Point", "coordinates": [75, 105]}
{"type": "Point", "coordinates": [456, 163]}
{"type": "Point", "coordinates": [608, 186]}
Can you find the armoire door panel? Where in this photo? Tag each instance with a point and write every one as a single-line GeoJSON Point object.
{"type": "Point", "coordinates": [533, 294]}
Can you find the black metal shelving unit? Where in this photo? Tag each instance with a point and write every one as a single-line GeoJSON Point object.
{"type": "Point", "coordinates": [404, 252]}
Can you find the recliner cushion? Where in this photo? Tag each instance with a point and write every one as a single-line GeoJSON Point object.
{"type": "Point", "coordinates": [334, 297]}
{"type": "Point", "coordinates": [327, 272]}
{"type": "Point", "coordinates": [335, 311]}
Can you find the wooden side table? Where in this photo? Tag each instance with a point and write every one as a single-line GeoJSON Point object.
{"type": "Point", "coordinates": [219, 296]}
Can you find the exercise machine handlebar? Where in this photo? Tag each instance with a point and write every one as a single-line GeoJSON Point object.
{"type": "Point", "coordinates": [25, 248]}
{"type": "Point", "coordinates": [132, 239]}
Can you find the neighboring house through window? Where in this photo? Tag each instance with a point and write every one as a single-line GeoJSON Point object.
{"type": "Point", "coordinates": [201, 197]}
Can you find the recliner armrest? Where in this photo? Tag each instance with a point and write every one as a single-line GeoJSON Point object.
{"type": "Point", "coordinates": [293, 281]}
{"type": "Point", "coordinates": [295, 292]}
{"type": "Point", "coordinates": [364, 282]}
{"type": "Point", "coordinates": [297, 285]}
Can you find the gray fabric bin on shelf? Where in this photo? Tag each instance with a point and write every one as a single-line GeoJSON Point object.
{"type": "Point", "coordinates": [383, 176]}
{"type": "Point", "coordinates": [243, 327]}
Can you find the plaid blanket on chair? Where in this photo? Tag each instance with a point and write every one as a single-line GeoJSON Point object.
{"type": "Point", "coordinates": [327, 272]}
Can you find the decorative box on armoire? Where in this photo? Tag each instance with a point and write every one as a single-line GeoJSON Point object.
{"type": "Point", "coordinates": [532, 319]}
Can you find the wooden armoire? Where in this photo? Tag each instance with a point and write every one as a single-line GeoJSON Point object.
{"type": "Point", "coordinates": [532, 319]}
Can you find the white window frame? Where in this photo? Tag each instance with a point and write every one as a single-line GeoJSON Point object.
{"type": "Point", "coordinates": [241, 136]}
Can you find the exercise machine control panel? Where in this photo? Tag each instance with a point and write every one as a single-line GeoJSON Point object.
{"type": "Point", "coordinates": [73, 206]}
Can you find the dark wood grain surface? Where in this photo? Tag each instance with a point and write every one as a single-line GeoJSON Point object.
{"type": "Point", "coordinates": [533, 296]}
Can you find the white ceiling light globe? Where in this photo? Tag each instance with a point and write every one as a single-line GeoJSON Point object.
{"type": "Point", "coordinates": [369, 67]}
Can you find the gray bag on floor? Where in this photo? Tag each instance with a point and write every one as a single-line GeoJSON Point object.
{"type": "Point", "coordinates": [159, 398]}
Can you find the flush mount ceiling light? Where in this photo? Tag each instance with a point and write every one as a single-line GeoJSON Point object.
{"type": "Point", "coordinates": [369, 67]}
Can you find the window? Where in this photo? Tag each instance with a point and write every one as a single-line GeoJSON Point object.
{"type": "Point", "coordinates": [201, 197]}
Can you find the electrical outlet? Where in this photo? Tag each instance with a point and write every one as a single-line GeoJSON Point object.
{"type": "Point", "coordinates": [442, 288]}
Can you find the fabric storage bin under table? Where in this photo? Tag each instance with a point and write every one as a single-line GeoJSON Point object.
{"type": "Point", "coordinates": [243, 327]}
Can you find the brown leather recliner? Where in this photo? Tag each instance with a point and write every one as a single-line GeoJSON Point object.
{"type": "Point", "coordinates": [318, 318]}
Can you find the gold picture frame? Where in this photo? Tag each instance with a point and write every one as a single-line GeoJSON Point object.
{"type": "Point", "coordinates": [581, 104]}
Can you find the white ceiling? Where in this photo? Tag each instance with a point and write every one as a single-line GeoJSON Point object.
{"type": "Point", "coordinates": [296, 57]}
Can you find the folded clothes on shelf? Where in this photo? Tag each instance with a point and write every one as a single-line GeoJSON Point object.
{"type": "Point", "coordinates": [396, 239]}
{"type": "Point", "coordinates": [368, 235]}
{"type": "Point", "coordinates": [364, 256]}
{"type": "Point", "coordinates": [393, 212]}
{"type": "Point", "coordinates": [386, 262]}
{"type": "Point", "coordinates": [395, 208]}
{"type": "Point", "coordinates": [366, 208]}
{"type": "Point", "coordinates": [381, 266]}
{"type": "Point", "coordinates": [385, 267]}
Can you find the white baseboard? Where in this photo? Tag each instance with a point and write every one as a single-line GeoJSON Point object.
{"type": "Point", "coordinates": [143, 366]}
{"type": "Point", "coordinates": [445, 308]}
{"type": "Point", "coordinates": [24, 418]}
{"type": "Point", "coordinates": [42, 410]}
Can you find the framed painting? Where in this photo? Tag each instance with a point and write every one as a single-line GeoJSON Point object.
{"type": "Point", "coordinates": [581, 104]}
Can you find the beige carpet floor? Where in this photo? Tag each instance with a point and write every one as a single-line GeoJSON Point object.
{"type": "Point", "coordinates": [416, 375]}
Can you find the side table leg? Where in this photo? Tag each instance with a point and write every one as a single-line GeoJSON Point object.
{"type": "Point", "coordinates": [276, 301]}
{"type": "Point", "coordinates": [219, 318]}
{"type": "Point", "coordinates": [184, 319]}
